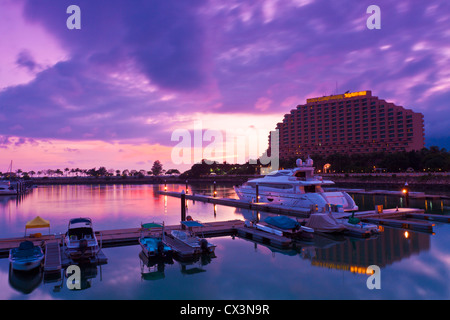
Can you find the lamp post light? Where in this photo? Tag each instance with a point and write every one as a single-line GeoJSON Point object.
{"type": "Point", "coordinates": [405, 191]}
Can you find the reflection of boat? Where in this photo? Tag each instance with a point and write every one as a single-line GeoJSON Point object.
{"type": "Point", "coordinates": [80, 238]}
{"type": "Point", "coordinates": [25, 282]}
{"type": "Point", "coordinates": [153, 246]}
{"type": "Point", "coordinates": [155, 266]}
{"type": "Point", "coordinates": [88, 272]}
{"type": "Point", "coordinates": [297, 187]}
{"type": "Point", "coordinates": [26, 257]}
{"type": "Point", "coordinates": [6, 189]}
{"type": "Point", "coordinates": [191, 239]}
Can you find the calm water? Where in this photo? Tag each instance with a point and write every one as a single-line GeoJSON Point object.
{"type": "Point", "coordinates": [413, 265]}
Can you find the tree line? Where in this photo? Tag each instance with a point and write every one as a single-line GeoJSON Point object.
{"type": "Point", "coordinates": [432, 159]}
{"type": "Point", "coordinates": [156, 170]}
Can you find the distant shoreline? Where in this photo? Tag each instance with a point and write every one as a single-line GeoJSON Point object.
{"type": "Point", "coordinates": [393, 181]}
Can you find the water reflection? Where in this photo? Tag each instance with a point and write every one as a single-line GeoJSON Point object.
{"type": "Point", "coordinates": [268, 271]}
{"type": "Point", "coordinates": [153, 268]}
{"type": "Point", "coordinates": [336, 251]}
{"type": "Point", "coordinates": [25, 281]}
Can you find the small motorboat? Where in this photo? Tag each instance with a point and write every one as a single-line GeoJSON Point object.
{"type": "Point", "coordinates": [191, 239]}
{"type": "Point", "coordinates": [152, 245]}
{"type": "Point", "coordinates": [353, 222]}
{"type": "Point", "coordinates": [289, 227]}
{"type": "Point", "coordinates": [26, 257]}
{"type": "Point", "coordinates": [80, 239]}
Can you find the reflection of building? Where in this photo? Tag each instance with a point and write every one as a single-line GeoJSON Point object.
{"type": "Point", "coordinates": [349, 123]}
{"type": "Point", "coordinates": [391, 245]}
{"type": "Point", "coordinates": [355, 256]}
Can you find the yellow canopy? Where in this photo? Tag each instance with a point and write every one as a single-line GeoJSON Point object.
{"type": "Point", "coordinates": [37, 222]}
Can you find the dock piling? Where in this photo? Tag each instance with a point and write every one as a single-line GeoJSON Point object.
{"type": "Point", "coordinates": [183, 207]}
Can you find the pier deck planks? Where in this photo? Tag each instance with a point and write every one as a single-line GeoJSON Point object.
{"type": "Point", "coordinates": [128, 236]}
{"type": "Point", "coordinates": [52, 257]}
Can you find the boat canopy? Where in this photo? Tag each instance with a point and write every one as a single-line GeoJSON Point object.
{"type": "Point", "coordinates": [151, 225]}
{"type": "Point", "coordinates": [282, 222]}
{"type": "Point", "coordinates": [192, 223]}
{"type": "Point", "coordinates": [37, 222]}
{"type": "Point", "coordinates": [80, 220]}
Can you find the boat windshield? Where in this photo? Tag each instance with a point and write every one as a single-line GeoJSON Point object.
{"type": "Point", "coordinates": [278, 173]}
{"type": "Point", "coordinates": [271, 185]}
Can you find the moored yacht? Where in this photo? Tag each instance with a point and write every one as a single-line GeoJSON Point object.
{"type": "Point", "coordinates": [80, 239]}
{"type": "Point", "coordinates": [298, 188]}
{"type": "Point", "coordinates": [6, 189]}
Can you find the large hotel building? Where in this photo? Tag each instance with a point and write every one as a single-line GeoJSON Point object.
{"type": "Point", "coordinates": [349, 123]}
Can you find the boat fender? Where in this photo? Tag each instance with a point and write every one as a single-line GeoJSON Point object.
{"type": "Point", "coordinates": [204, 244]}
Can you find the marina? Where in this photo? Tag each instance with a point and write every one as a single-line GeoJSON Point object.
{"type": "Point", "coordinates": [223, 230]}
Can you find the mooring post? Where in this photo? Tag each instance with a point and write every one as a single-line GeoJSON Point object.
{"type": "Point", "coordinates": [183, 208]}
{"type": "Point", "coordinates": [214, 192]}
{"type": "Point", "coordinates": [187, 189]}
{"type": "Point", "coordinates": [257, 193]}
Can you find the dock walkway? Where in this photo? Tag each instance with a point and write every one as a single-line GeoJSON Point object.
{"type": "Point", "coordinates": [124, 237]}
{"type": "Point", "coordinates": [52, 257]}
{"type": "Point", "coordinates": [394, 217]}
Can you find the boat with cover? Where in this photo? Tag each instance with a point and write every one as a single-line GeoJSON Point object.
{"type": "Point", "coordinates": [282, 226]}
{"type": "Point", "coordinates": [152, 245]}
{"type": "Point", "coordinates": [191, 239]}
{"type": "Point", "coordinates": [26, 257]}
{"type": "Point", "coordinates": [80, 239]}
{"type": "Point", "coordinates": [325, 222]}
{"type": "Point", "coordinates": [297, 188]}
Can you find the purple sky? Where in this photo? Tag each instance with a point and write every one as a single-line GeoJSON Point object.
{"type": "Point", "coordinates": [137, 70]}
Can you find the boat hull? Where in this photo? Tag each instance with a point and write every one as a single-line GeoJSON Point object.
{"type": "Point", "coordinates": [201, 245]}
{"type": "Point", "coordinates": [26, 263]}
{"type": "Point", "coordinates": [150, 248]}
{"type": "Point", "coordinates": [26, 266]}
{"type": "Point", "coordinates": [340, 200]}
{"type": "Point", "coordinates": [75, 252]}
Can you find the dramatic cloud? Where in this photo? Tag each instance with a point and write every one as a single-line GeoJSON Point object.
{"type": "Point", "coordinates": [137, 71]}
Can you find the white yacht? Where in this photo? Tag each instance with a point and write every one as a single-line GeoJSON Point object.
{"type": "Point", "coordinates": [6, 189]}
{"type": "Point", "coordinates": [80, 239]}
{"type": "Point", "coordinates": [297, 188]}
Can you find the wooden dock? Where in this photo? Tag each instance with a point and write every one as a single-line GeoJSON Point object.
{"type": "Point", "coordinates": [264, 237]}
{"type": "Point", "coordinates": [412, 195]}
{"type": "Point", "coordinates": [124, 237]}
{"type": "Point", "coordinates": [52, 262]}
{"type": "Point", "coordinates": [394, 217]}
{"type": "Point", "coordinates": [257, 206]}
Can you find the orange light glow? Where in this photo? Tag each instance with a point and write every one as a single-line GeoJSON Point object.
{"type": "Point", "coordinates": [404, 191]}
{"type": "Point", "coordinates": [406, 234]}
